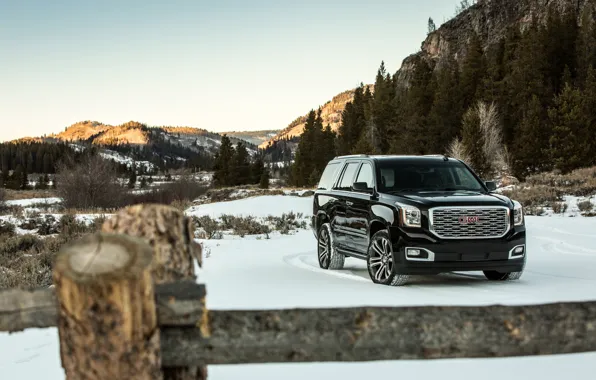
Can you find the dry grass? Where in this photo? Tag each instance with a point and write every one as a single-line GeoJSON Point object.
{"type": "Point", "coordinates": [580, 182]}
{"type": "Point", "coordinates": [546, 189]}
{"type": "Point", "coordinates": [16, 195]}
{"type": "Point", "coordinates": [26, 260]}
{"type": "Point", "coordinates": [585, 206]}
{"type": "Point", "coordinates": [534, 196]}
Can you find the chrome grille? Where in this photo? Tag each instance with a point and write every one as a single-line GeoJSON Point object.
{"type": "Point", "coordinates": [469, 222]}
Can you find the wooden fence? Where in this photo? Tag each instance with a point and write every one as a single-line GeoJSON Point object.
{"type": "Point", "coordinates": [127, 305]}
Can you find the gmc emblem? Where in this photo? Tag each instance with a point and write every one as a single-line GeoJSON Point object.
{"type": "Point", "coordinates": [468, 219]}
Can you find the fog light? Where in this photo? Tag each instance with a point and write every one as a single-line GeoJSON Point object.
{"type": "Point", "coordinates": [519, 250]}
{"type": "Point", "coordinates": [413, 252]}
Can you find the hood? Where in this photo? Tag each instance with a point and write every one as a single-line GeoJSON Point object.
{"type": "Point", "coordinates": [456, 198]}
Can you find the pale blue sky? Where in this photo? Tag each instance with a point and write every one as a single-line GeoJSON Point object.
{"type": "Point", "coordinates": [220, 65]}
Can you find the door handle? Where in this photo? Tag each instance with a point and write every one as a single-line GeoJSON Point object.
{"type": "Point", "coordinates": [349, 203]}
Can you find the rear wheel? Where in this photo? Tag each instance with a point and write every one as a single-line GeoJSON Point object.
{"type": "Point", "coordinates": [381, 261]}
{"type": "Point", "coordinates": [329, 258]}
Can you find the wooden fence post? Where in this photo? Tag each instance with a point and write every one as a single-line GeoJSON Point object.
{"type": "Point", "coordinates": [170, 233]}
{"type": "Point", "coordinates": [107, 319]}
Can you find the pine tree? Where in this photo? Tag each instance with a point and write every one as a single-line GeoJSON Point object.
{"type": "Point", "coordinates": [132, 178]}
{"type": "Point", "coordinates": [41, 183]}
{"type": "Point", "coordinates": [570, 148]}
{"type": "Point", "coordinates": [589, 106]}
{"type": "Point", "coordinates": [257, 169]}
{"type": "Point", "coordinates": [304, 163]}
{"type": "Point", "coordinates": [473, 141]}
{"type": "Point", "coordinates": [382, 110]}
{"type": "Point", "coordinates": [264, 180]}
{"type": "Point", "coordinates": [240, 166]}
{"type": "Point", "coordinates": [24, 180]}
{"type": "Point", "coordinates": [532, 141]}
{"type": "Point", "coordinates": [444, 117]}
{"type": "Point", "coordinates": [473, 72]}
{"type": "Point", "coordinates": [223, 160]}
{"type": "Point", "coordinates": [431, 25]}
{"type": "Point", "coordinates": [415, 107]}
{"type": "Point", "coordinates": [586, 45]}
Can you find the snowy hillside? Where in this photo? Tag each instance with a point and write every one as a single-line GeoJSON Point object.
{"type": "Point", "coordinates": [282, 272]}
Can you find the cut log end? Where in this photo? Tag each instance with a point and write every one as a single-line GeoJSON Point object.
{"type": "Point", "coordinates": [104, 255]}
{"type": "Point", "coordinates": [169, 233]}
{"type": "Point", "coordinates": [103, 282]}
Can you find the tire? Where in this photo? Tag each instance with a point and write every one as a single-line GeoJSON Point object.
{"type": "Point", "coordinates": [498, 276]}
{"type": "Point", "coordinates": [493, 275]}
{"type": "Point", "coordinates": [381, 261]}
{"type": "Point", "coordinates": [328, 256]}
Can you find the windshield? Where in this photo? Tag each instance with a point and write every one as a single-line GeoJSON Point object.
{"type": "Point", "coordinates": [426, 176]}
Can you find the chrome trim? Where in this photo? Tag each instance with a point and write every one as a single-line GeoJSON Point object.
{"type": "Point", "coordinates": [511, 257]}
{"type": "Point", "coordinates": [431, 254]}
{"type": "Point", "coordinates": [432, 230]}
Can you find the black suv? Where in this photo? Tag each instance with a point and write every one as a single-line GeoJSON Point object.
{"type": "Point", "coordinates": [416, 215]}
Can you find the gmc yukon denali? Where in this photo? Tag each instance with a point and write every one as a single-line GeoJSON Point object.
{"type": "Point", "coordinates": [416, 215]}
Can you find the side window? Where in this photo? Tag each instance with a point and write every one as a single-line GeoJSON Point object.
{"type": "Point", "coordinates": [366, 175]}
{"type": "Point", "coordinates": [348, 176]}
{"type": "Point", "coordinates": [387, 180]}
{"type": "Point", "coordinates": [328, 176]}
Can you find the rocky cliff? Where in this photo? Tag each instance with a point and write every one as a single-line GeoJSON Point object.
{"type": "Point", "coordinates": [489, 19]}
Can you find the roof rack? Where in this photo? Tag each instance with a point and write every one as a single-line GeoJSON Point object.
{"type": "Point", "coordinates": [352, 156]}
{"type": "Point", "coordinates": [445, 157]}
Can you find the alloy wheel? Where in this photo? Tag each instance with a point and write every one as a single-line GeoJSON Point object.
{"type": "Point", "coordinates": [324, 248]}
{"type": "Point", "coordinates": [381, 260]}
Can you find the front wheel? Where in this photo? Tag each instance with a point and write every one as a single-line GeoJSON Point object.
{"type": "Point", "coordinates": [498, 276]}
{"type": "Point", "coordinates": [381, 261]}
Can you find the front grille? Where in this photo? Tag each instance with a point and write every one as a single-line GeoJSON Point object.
{"type": "Point", "coordinates": [469, 222]}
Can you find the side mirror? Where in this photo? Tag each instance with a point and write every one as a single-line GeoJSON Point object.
{"type": "Point", "coordinates": [491, 185]}
{"type": "Point", "coordinates": [361, 187]}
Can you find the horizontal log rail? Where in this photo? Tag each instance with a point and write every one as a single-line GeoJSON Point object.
{"type": "Point", "coordinates": [178, 304]}
{"type": "Point", "coordinates": [339, 334]}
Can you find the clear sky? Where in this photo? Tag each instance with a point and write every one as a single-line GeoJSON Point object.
{"type": "Point", "coordinates": [221, 65]}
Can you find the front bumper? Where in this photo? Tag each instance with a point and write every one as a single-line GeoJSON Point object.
{"type": "Point", "coordinates": [450, 255]}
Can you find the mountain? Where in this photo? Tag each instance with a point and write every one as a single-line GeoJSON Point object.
{"type": "Point", "coordinates": [151, 148]}
{"type": "Point", "coordinates": [253, 137]}
{"type": "Point", "coordinates": [490, 20]}
{"type": "Point", "coordinates": [138, 134]}
{"type": "Point", "coordinates": [330, 112]}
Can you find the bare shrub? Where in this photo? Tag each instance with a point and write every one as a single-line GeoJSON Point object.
{"type": "Point", "coordinates": [243, 225]}
{"type": "Point", "coordinates": [7, 228]}
{"type": "Point", "coordinates": [178, 193]}
{"type": "Point", "coordinates": [457, 150]}
{"type": "Point", "coordinates": [493, 150]}
{"type": "Point", "coordinates": [534, 196]}
{"type": "Point", "coordinates": [580, 182]}
{"type": "Point", "coordinates": [585, 206]}
{"type": "Point", "coordinates": [288, 222]}
{"type": "Point", "coordinates": [211, 226]}
{"type": "Point", "coordinates": [26, 260]}
{"type": "Point", "coordinates": [559, 207]}
{"type": "Point", "coordinates": [90, 183]}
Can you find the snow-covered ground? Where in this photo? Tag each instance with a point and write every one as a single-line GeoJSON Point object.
{"type": "Point", "coordinates": [282, 272]}
{"type": "Point", "coordinates": [33, 201]}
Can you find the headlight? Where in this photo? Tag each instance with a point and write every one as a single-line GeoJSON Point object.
{"type": "Point", "coordinates": [410, 215]}
{"type": "Point", "coordinates": [518, 214]}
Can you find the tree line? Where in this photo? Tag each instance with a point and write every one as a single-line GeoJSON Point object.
{"type": "Point", "coordinates": [536, 89]}
{"type": "Point", "coordinates": [233, 166]}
